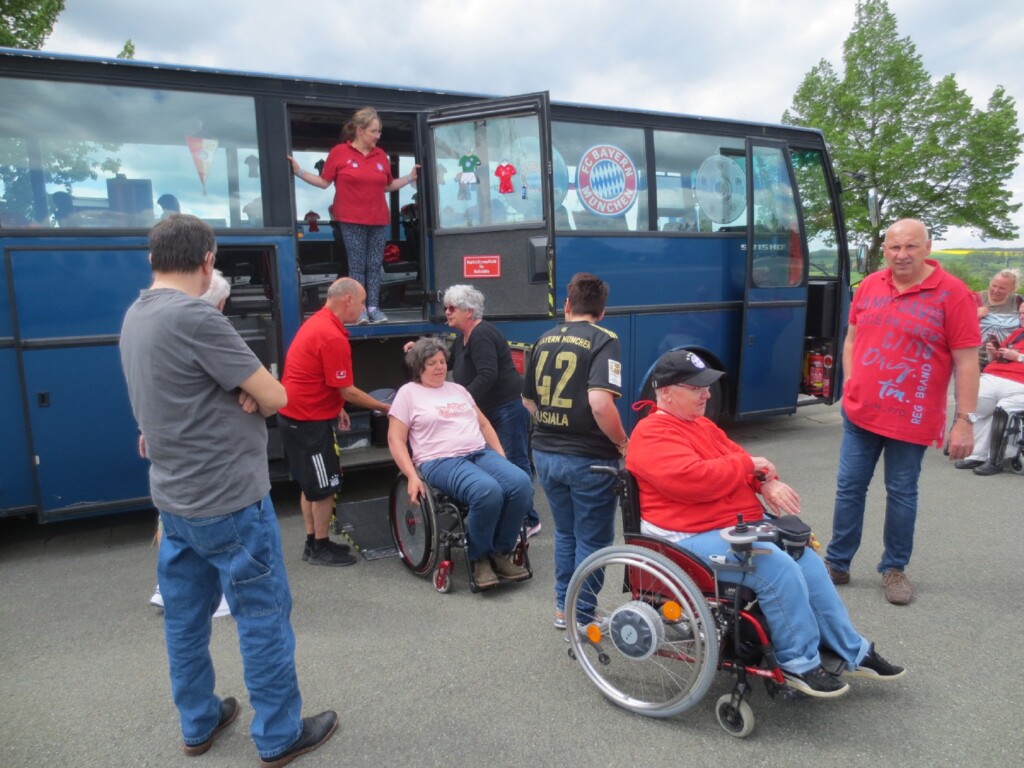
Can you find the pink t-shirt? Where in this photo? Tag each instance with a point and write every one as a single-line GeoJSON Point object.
{"type": "Point", "coordinates": [902, 354]}
{"type": "Point", "coordinates": [442, 421]}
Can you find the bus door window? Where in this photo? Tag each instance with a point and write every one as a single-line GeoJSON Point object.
{"type": "Point", "coordinates": [100, 156]}
{"type": "Point", "coordinates": [600, 178]}
{"type": "Point", "coordinates": [817, 213]}
{"type": "Point", "coordinates": [778, 258]}
{"type": "Point", "coordinates": [488, 172]}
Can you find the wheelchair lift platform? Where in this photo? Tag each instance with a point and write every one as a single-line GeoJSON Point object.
{"type": "Point", "coordinates": [364, 524]}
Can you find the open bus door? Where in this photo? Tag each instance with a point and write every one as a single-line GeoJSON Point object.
{"type": "Point", "coordinates": [490, 215]}
{"type": "Point", "coordinates": [775, 297]}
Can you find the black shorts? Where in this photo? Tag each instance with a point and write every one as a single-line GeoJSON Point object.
{"type": "Point", "coordinates": [312, 452]}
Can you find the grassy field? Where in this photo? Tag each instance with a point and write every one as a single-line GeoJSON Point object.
{"type": "Point", "coordinates": [976, 267]}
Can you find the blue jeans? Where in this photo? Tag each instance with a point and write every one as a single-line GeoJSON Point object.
{"type": "Point", "coordinates": [858, 455]}
{"type": "Point", "coordinates": [583, 507]}
{"type": "Point", "coordinates": [240, 555]}
{"type": "Point", "coordinates": [799, 602]}
{"type": "Point", "coordinates": [364, 247]}
{"type": "Point", "coordinates": [497, 492]}
{"type": "Point", "coordinates": [511, 421]}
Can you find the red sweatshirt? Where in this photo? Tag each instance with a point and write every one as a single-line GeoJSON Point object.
{"type": "Point", "coordinates": [691, 477]}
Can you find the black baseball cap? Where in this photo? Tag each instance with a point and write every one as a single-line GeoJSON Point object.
{"type": "Point", "coordinates": [683, 367]}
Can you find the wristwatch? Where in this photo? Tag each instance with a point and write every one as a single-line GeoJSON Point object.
{"type": "Point", "coordinates": [970, 418]}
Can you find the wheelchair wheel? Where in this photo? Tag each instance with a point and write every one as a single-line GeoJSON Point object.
{"type": "Point", "coordinates": [413, 527]}
{"type": "Point", "coordinates": [737, 721]}
{"type": "Point", "coordinates": [647, 640]}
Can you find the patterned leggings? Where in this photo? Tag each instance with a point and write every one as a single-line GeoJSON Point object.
{"type": "Point", "coordinates": [364, 245]}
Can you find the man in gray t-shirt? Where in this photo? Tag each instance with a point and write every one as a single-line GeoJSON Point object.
{"type": "Point", "coordinates": [200, 398]}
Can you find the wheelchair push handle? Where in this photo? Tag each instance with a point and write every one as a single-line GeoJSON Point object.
{"type": "Point", "coordinates": [601, 469]}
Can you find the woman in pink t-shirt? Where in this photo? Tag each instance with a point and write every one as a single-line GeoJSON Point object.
{"type": "Point", "coordinates": [456, 451]}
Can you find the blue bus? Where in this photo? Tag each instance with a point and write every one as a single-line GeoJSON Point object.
{"type": "Point", "coordinates": [718, 236]}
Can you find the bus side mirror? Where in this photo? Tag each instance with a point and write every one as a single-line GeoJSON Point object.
{"type": "Point", "coordinates": [873, 214]}
{"type": "Point", "coordinates": [862, 259]}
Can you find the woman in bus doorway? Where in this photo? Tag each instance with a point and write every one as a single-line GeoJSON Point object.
{"type": "Point", "coordinates": [361, 174]}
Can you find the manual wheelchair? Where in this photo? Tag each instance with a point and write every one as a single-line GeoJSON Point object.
{"type": "Point", "coordinates": [425, 534]}
{"type": "Point", "coordinates": [653, 645]}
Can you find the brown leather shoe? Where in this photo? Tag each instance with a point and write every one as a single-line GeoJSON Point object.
{"type": "Point", "coordinates": [837, 577]}
{"type": "Point", "coordinates": [228, 713]}
{"type": "Point", "coordinates": [898, 590]}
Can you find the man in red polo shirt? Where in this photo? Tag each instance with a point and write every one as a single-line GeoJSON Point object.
{"type": "Point", "coordinates": [318, 379]}
{"type": "Point", "coordinates": [912, 325]}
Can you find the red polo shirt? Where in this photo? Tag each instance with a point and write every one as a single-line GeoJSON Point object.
{"type": "Point", "coordinates": [359, 184]}
{"type": "Point", "coordinates": [902, 353]}
{"type": "Point", "coordinates": [318, 364]}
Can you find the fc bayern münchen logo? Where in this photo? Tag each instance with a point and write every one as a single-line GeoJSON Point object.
{"type": "Point", "coordinates": [606, 180]}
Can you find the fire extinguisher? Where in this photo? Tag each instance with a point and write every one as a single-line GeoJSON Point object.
{"type": "Point", "coordinates": [826, 380]}
{"type": "Point", "coordinates": [817, 365]}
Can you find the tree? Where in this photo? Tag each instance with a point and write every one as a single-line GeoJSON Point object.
{"type": "Point", "coordinates": [27, 23]}
{"type": "Point", "coordinates": [922, 145]}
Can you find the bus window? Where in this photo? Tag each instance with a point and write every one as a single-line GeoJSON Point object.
{"type": "Point", "coordinates": [488, 172]}
{"type": "Point", "coordinates": [605, 187]}
{"type": "Point", "coordinates": [102, 156]}
{"type": "Point", "coordinates": [778, 253]}
{"type": "Point", "coordinates": [816, 205]}
{"type": "Point", "coordinates": [701, 182]}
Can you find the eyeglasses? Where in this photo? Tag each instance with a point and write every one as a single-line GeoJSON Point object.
{"type": "Point", "coordinates": [698, 390]}
{"type": "Point", "coordinates": [450, 308]}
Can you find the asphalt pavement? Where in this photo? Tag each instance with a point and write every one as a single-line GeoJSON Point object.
{"type": "Point", "coordinates": [424, 679]}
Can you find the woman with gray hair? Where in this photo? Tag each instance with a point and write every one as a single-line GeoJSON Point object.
{"type": "Point", "coordinates": [218, 292]}
{"type": "Point", "coordinates": [482, 363]}
{"type": "Point", "coordinates": [456, 451]}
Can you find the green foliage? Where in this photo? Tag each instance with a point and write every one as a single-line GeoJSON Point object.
{"type": "Point", "coordinates": [128, 52]}
{"type": "Point", "coordinates": [930, 154]}
{"type": "Point", "coordinates": [27, 23]}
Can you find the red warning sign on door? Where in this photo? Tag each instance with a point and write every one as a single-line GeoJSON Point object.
{"type": "Point", "coordinates": [481, 266]}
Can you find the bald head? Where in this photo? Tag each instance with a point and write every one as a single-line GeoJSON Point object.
{"type": "Point", "coordinates": [906, 247]}
{"type": "Point", "coordinates": [346, 299]}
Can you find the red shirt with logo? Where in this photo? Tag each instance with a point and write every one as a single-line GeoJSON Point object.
{"type": "Point", "coordinates": [1006, 369]}
{"type": "Point", "coordinates": [318, 364]}
{"type": "Point", "coordinates": [902, 353]}
{"type": "Point", "coordinates": [360, 184]}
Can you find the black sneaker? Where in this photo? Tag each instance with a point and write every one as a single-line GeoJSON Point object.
{"type": "Point", "coordinates": [874, 667]}
{"type": "Point", "coordinates": [307, 550]}
{"type": "Point", "coordinates": [315, 731]}
{"type": "Point", "coordinates": [817, 682]}
{"type": "Point", "coordinates": [328, 556]}
{"type": "Point", "coordinates": [339, 547]}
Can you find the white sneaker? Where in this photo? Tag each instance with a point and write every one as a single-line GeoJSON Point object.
{"type": "Point", "coordinates": [157, 599]}
{"type": "Point", "coordinates": [376, 316]}
{"type": "Point", "coordinates": [222, 609]}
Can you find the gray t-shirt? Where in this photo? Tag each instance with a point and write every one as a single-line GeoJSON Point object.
{"type": "Point", "coordinates": [183, 362]}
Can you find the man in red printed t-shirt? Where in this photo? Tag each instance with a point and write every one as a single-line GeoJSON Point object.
{"type": "Point", "coordinates": [911, 326]}
{"type": "Point", "coordinates": [318, 379]}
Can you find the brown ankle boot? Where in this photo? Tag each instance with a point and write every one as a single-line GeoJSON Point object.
{"type": "Point", "coordinates": [483, 574]}
{"type": "Point", "coordinates": [509, 571]}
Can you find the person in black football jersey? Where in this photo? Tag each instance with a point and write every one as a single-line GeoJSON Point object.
{"type": "Point", "coordinates": [571, 382]}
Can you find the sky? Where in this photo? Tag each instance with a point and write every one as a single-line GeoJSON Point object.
{"type": "Point", "coordinates": [739, 59]}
